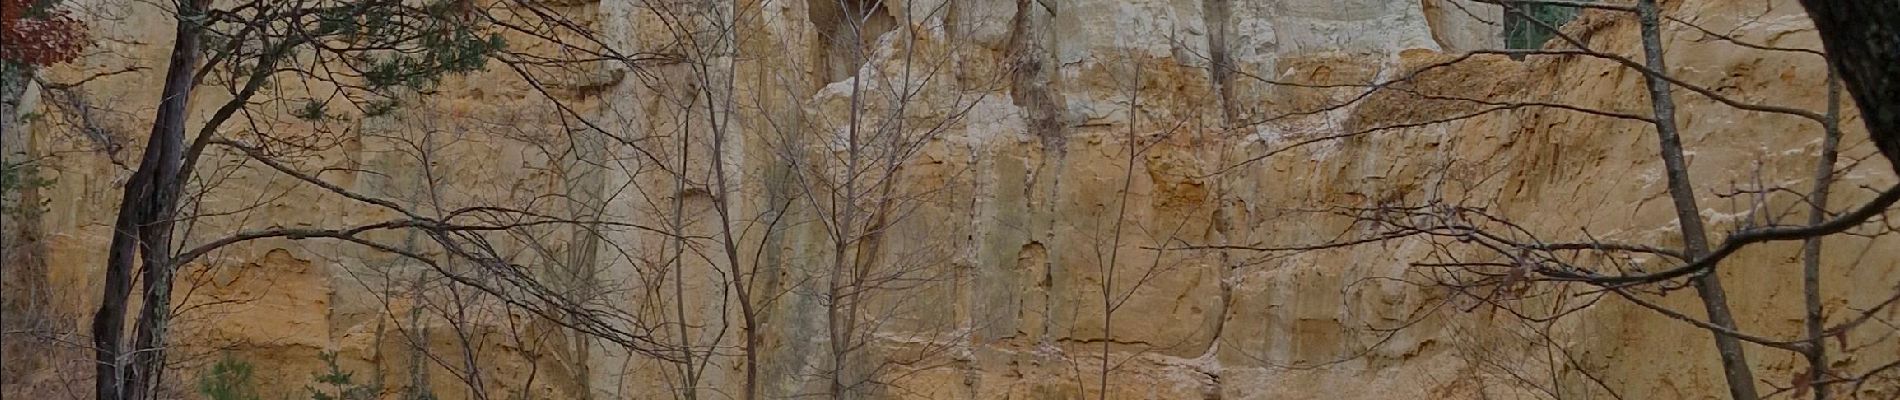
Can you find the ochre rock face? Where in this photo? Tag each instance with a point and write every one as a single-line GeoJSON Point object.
{"type": "Point", "coordinates": [1057, 172]}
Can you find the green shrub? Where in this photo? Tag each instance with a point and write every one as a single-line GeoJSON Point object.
{"type": "Point", "coordinates": [235, 379]}
{"type": "Point", "coordinates": [18, 176]}
{"type": "Point", "coordinates": [340, 386]}
{"type": "Point", "coordinates": [229, 379]}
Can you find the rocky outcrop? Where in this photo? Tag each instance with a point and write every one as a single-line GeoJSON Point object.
{"type": "Point", "coordinates": [1065, 171]}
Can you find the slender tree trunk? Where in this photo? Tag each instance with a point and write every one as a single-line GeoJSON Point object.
{"type": "Point", "coordinates": [1863, 42]}
{"type": "Point", "coordinates": [844, 286]}
{"type": "Point", "coordinates": [741, 285]}
{"type": "Point", "coordinates": [1115, 242]}
{"type": "Point", "coordinates": [1816, 351]}
{"type": "Point", "coordinates": [1735, 368]}
{"type": "Point", "coordinates": [841, 270]}
{"type": "Point", "coordinates": [689, 387]}
{"type": "Point", "coordinates": [108, 323]}
{"type": "Point", "coordinates": [143, 227]}
{"type": "Point", "coordinates": [870, 243]}
{"type": "Point", "coordinates": [721, 126]}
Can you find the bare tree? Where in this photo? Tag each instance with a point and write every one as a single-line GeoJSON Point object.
{"type": "Point", "coordinates": [372, 52]}
{"type": "Point", "coordinates": [840, 139]}
{"type": "Point", "coordinates": [1484, 257]}
{"type": "Point", "coordinates": [855, 181]}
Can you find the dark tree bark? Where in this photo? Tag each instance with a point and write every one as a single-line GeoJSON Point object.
{"type": "Point", "coordinates": [1863, 40]}
{"type": "Point", "coordinates": [143, 228]}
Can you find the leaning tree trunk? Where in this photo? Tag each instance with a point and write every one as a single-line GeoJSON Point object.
{"type": "Point", "coordinates": [1695, 238]}
{"type": "Point", "coordinates": [1863, 40]}
{"type": "Point", "coordinates": [143, 228]}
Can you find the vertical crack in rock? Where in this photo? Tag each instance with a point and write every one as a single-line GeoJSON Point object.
{"type": "Point", "coordinates": [1030, 76]}
{"type": "Point", "coordinates": [1031, 82]}
{"type": "Point", "coordinates": [1217, 15]}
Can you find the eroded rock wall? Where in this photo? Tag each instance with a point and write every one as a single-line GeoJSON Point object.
{"type": "Point", "coordinates": [1057, 156]}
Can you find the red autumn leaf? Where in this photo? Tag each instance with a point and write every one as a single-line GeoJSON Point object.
{"type": "Point", "coordinates": [35, 33]}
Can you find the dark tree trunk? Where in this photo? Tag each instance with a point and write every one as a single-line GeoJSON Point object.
{"type": "Point", "coordinates": [144, 228]}
{"type": "Point", "coordinates": [1863, 40]}
{"type": "Point", "coordinates": [109, 322]}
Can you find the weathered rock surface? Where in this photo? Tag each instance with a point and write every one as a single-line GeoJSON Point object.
{"type": "Point", "coordinates": [1023, 207]}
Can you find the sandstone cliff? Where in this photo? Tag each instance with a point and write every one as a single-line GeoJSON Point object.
{"type": "Point", "coordinates": [1058, 179]}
